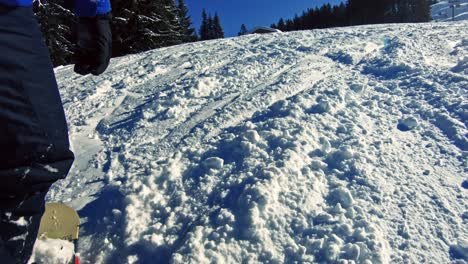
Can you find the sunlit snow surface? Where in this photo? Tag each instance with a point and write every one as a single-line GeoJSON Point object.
{"type": "Point", "coordinates": [306, 147]}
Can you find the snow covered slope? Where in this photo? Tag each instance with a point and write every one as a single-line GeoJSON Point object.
{"type": "Point", "coordinates": [327, 146]}
{"type": "Point", "coordinates": [443, 12]}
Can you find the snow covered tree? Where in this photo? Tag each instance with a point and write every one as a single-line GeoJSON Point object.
{"type": "Point", "coordinates": [169, 25]}
{"type": "Point", "coordinates": [187, 31]}
{"type": "Point", "coordinates": [243, 30]}
{"type": "Point", "coordinates": [56, 24]}
{"type": "Point", "coordinates": [145, 24]}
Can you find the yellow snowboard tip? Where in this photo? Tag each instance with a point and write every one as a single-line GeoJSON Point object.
{"type": "Point", "coordinates": [59, 222]}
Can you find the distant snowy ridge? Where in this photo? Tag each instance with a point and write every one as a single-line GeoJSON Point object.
{"type": "Point", "coordinates": [326, 146]}
{"type": "Point", "coordinates": [443, 12]}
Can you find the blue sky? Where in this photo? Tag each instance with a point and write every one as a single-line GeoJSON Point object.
{"type": "Point", "coordinates": [251, 12]}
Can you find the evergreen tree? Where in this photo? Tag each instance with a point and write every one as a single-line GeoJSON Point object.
{"type": "Point", "coordinates": [243, 30]}
{"type": "Point", "coordinates": [366, 11]}
{"type": "Point", "coordinates": [310, 19]}
{"type": "Point", "coordinates": [217, 28]}
{"type": "Point", "coordinates": [204, 28]}
{"type": "Point", "coordinates": [281, 25]}
{"type": "Point", "coordinates": [325, 16]}
{"type": "Point", "coordinates": [423, 11]}
{"type": "Point", "coordinates": [402, 11]}
{"type": "Point", "coordinates": [211, 27]}
{"type": "Point", "coordinates": [342, 15]}
{"type": "Point", "coordinates": [296, 25]}
{"type": "Point", "coordinates": [289, 25]}
{"type": "Point", "coordinates": [187, 31]}
{"type": "Point", "coordinates": [195, 36]}
{"type": "Point", "coordinates": [359, 12]}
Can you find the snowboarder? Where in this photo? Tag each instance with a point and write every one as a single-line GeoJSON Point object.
{"type": "Point", "coordinates": [34, 146]}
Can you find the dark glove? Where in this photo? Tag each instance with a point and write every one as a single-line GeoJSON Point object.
{"type": "Point", "coordinates": [69, 4]}
{"type": "Point", "coordinates": [93, 44]}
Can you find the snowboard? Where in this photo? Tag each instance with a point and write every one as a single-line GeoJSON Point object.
{"type": "Point", "coordinates": [60, 222]}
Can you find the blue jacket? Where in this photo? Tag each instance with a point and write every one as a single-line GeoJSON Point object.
{"type": "Point", "coordinates": [83, 8]}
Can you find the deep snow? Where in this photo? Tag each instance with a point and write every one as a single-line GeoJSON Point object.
{"type": "Point", "coordinates": [326, 146]}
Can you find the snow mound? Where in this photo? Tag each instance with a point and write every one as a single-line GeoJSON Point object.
{"type": "Point", "coordinates": [327, 146]}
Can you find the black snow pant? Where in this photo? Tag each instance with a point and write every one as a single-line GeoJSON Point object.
{"type": "Point", "coordinates": [34, 147]}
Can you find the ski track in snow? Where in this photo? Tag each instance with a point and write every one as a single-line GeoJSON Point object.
{"type": "Point", "coordinates": [339, 145]}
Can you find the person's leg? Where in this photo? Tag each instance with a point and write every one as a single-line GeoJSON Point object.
{"type": "Point", "coordinates": [34, 147]}
{"type": "Point", "coordinates": [19, 224]}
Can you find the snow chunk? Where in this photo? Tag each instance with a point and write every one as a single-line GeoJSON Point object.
{"type": "Point", "coordinates": [352, 251]}
{"type": "Point", "coordinates": [205, 87]}
{"type": "Point", "coordinates": [20, 222]}
{"type": "Point", "coordinates": [132, 259]}
{"type": "Point", "coordinates": [342, 196]}
{"type": "Point", "coordinates": [214, 163]}
{"type": "Point", "coordinates": [357, 87]}
{"type": "Point", "coordinates": [317, 164]}
{"type": "Point", "coordinates": [332, 252]}
{"type": "Point", "coordinates": [225, 217]}
{"type": "Point", "coordinates": [52, 251]}
{"type": "Point", "coordinates": [339, 158]}
{"type": "Point", "coordinates": [252, 136]}
{"type": "Point", "coordinates": [322, 106]}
